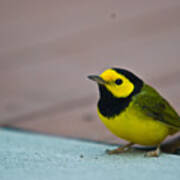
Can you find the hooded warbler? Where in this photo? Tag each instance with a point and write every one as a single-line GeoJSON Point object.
{"type": "Point", "coordinates": [133, 110]}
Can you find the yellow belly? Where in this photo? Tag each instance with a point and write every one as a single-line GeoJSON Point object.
{"type": "Point", "coordinates": [135, 127]}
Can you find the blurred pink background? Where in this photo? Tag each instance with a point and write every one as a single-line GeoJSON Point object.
{"type": "Point", "coordinates": [47, 49]}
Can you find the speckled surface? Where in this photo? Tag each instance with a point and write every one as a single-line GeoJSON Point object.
{"type": "Point", "coordinates": [34, 157]}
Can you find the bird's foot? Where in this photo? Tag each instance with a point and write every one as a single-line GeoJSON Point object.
{"type": "Point", "coordinates": [119, 150]}
{"type": "Point", "coordinates": [154, 153]}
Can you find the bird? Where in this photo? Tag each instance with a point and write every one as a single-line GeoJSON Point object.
{"type": "Point", "coordinates": [134, 111]}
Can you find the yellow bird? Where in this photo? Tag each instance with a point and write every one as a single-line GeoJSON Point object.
{"type": "Point", "coordinates": [133, 110]}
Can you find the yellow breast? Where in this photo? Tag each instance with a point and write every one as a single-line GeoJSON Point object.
{"type": "Point", "coordinates": [135, 127]}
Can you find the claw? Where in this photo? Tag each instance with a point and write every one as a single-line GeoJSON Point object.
{"type": "Point", "coordinates": [154, 153]}
{"type": "Point", "coordinates": [119, 150]}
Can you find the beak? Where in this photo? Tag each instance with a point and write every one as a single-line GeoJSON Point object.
{"type": "Point", "coordinates": [98, 79]}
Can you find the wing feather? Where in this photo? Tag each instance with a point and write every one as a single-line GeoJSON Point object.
{"type": "Point", "coordinates": [153, 105]}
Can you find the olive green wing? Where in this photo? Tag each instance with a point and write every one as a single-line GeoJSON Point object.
{"type": "Point", "coordinates": [153, 105]}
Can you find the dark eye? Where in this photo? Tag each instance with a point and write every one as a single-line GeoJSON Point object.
{"type": "Point", "coordinates": [118, 81]}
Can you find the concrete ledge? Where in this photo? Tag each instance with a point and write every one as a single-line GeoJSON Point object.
{"type": "Point", "coordinates": [33, 157]}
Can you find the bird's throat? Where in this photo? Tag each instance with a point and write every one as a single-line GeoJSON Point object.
{"type": "Point", "coordinates": [110, 106]}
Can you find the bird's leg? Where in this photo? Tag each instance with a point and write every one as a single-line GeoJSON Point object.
{"type": "Point", "coordinates": [154, 153]}
{"type": "Point", "coordinates": [121, 149]}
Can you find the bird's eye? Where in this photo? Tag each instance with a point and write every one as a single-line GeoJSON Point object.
{"type": "Point", "coordinates": [118, 81]}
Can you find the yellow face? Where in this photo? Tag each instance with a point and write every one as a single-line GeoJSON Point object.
{"type": "Point", "coordinates": [117, 84]}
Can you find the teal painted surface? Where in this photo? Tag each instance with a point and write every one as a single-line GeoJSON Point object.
{"type": "Point", "coordinates": [37, 157]}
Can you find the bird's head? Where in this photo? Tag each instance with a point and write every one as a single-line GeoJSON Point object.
{"type": "Point", "coordinates": [120, 83]}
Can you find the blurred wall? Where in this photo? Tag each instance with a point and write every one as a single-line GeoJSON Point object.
{"type": "Point", "coordinates": [47, 48]}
